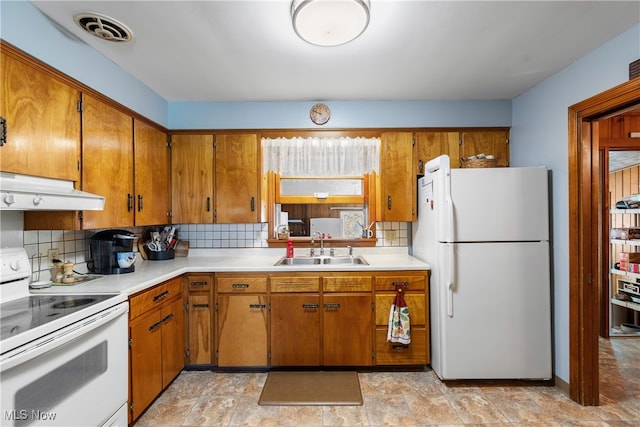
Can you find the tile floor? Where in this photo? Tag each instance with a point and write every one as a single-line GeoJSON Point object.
{"type": "Point", "coordinates": [198, 398]}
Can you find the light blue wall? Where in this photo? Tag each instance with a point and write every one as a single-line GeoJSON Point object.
{"type": "Point", "coordinates": [539, 137]}
{"type": "Point", "coordinates": [344, 114]}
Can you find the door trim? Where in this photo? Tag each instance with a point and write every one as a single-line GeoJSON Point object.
{"type": "Point", "coordinates": [584, 263]}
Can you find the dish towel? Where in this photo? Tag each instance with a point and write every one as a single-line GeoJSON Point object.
{"type": "Point", "coordinates": [399, 330]}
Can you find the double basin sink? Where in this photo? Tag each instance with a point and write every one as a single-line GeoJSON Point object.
{"type": "Point", "coordinates": [323, 260]}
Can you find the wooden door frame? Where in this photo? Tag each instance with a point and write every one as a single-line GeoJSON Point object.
{"type": "Point", "coordinates": [584, 265]}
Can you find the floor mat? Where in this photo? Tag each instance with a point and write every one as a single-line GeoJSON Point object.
{"type": "Point", "coordinates": [311, 388]}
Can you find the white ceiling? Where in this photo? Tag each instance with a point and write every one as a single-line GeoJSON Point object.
{"type": "Point", "coordinates": [448, 50]}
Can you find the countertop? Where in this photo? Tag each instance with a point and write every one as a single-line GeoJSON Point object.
{"type": "Point", "coordinates": [150, 273]}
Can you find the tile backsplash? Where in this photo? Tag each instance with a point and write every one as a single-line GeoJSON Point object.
{"type": "Point", "coordinates": [74, 245]}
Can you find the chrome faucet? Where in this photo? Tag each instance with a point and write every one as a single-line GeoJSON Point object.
{"type": "Point", "coordinates": [320, 235]}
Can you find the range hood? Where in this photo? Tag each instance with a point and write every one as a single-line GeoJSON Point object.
{"type": "Point", "coordinates": [29, 193]}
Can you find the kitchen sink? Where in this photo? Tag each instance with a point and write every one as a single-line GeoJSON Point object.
{"type": "Point", "coordinates": [322, 260]}
{"type": "Point", "coordinates": [298, 261]}
{"type": "Point", "coordinates": [345, 260]}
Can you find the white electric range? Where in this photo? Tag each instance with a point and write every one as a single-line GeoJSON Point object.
{"type": "Point", "coordinates": [63, 357]}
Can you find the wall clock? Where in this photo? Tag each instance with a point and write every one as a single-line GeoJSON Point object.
{"type": "Point", "coordinates": [320, 114]}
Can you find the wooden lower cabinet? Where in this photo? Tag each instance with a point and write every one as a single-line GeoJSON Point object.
{"type": "Point", "coordinates": [315, 319]}
{"type": "Point", "coordinates": [156, 349]}
{"type": "Point", "coordinates": [242, 317]}
{"type": "Point", "coordinates": [346, 329]}
{"type": "Point", "coordinates": [295, 320]}
{"type": "Point", "coordinates": [295, 329]}
{"type": "Point", "coordinates": [200, 346]}
{"type": "Point", "coordinates": [347, 319]}
{"type": "Point", "coordinates": [417, 298]}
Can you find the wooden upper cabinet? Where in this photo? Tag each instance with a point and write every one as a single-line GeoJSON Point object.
{"type": "Point", "coordinates": [397, 198]}
{"type": "Point", "coordinates": [42, 121]}
{"type": "Point", "coordinates": [107, 163]}
{"type": "Point", "coordinates": [192, 179]}
{"type": "Point", "coordinates": [430, 145]}
{"type": "Point", "coordinates": [493, 142]}
{"type": "Point", "coordinates": [237, 182]}
{"type": "Point", "coordinates": [152, 175]}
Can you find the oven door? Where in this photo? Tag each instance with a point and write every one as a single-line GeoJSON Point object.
{"type": "Point", "coordinates": [76, 376]}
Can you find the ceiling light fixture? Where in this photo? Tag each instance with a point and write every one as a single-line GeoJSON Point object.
{"type": "Point", "coordinates": [329, 22]}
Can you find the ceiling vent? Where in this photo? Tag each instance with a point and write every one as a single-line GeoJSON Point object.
{"type": "Point", "coordinates": [103, 26]}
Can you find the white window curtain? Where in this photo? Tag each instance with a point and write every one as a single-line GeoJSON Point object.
{"type": "Point", "coordinates": [321, 156]}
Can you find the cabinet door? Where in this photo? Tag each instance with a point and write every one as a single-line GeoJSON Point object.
{"type": "Point", "coordinates": [145, 361]}
{"type": "Point", "coordinates": [237, 172]}
{"type": "Point", "coordinates": [173, 343]}
{"type": "Point", "coordinates": [430, 145]}
{"type": "Point", "coordinates": [347, 329]}
{"type": "Point", "coordinates": [295, 329]}
{"type": "Point", "coordinates": [42, 120]}
{"type": "Point", "coordinates": [107, 163]}
{"type": "Point", "coordinates": [192, 179]}
{"type": "Point", "coordinates": [152, 175]}
{"type": "Point", "coordinates": [397, 198]}
{"type": "Point", "coordinates": [200, 320]}
{"type": "Point", "coordinates": [242, 330]}
{"type": "Point", "coordinates": [494, 142]}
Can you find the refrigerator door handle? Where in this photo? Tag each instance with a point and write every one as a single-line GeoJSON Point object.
{"type": "Point", "coordinates": [450, 281]}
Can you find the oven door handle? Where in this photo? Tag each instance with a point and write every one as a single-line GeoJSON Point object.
{"type": "Point", "coordinates": [52, 341]}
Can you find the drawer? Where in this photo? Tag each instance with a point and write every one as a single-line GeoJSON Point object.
{"type": "Point", "coordinates": [416, 303]}
{"type": "Point", "coordinates": [416, 353]}
{"type": "Point", "coordinates": [240, 284]}
{"type": "Point", "coordinates": [347, 283]}
{"type": "Point", "coordinates": [199, 282]}
{"type": "Point", "coordinates": [295, 284]}
{"type": "Point", "coordinates": [154, 297]}
{"type": "Point", "coordinates": [416, 282]}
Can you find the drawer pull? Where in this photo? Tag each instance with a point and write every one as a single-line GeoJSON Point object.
{"type": "Point", "coordinates": [240, 286]}
{"type": "Point", "coordinates": [332, 305]}
{"type": "Point", "coordinates": [156, 325]}
{"type": "Point", "coordinates": [399, 347]}
{"type": "Point", "coordinates": [201, 283]}
{"type": "Point", "coordinates": [200, 305]}
{"type": "Point", "coordinates": [167, 318]}
{"type": "Point", "coordinates": [260, 306]}
{"type": "Point", "coordinates": [160, 296]}
{"type": "Point", "coordinates": [305, 306]}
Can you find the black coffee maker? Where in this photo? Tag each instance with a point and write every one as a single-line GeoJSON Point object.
{"type": "Point", "coordinates": [105, 247]}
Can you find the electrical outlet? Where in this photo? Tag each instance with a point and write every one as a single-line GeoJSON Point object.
{"type": "Point", "coordinates": [53, 254]}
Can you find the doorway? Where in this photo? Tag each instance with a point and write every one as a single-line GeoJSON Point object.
{"type": "Point", "coordinates": [620, 170]}
{"type": "Point", "coordinates": [585, 262]}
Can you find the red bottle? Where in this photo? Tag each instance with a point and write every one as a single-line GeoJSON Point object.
{"type": "Point", "coordinates": [290, 249]}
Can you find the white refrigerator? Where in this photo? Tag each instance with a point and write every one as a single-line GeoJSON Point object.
{"type": "Point", "coordinates": [485, 234]}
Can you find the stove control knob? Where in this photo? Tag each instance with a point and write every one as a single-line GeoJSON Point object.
{"type": "Point", "coordinates": [9, 199]}
{"type": "Point", "coordinates": [37, 200]}
{"type": "Point", "coordinates": [15, 265]}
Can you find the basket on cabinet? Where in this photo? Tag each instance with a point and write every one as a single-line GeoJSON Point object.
{"type": "Point", "coordinates": [479, 163]}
